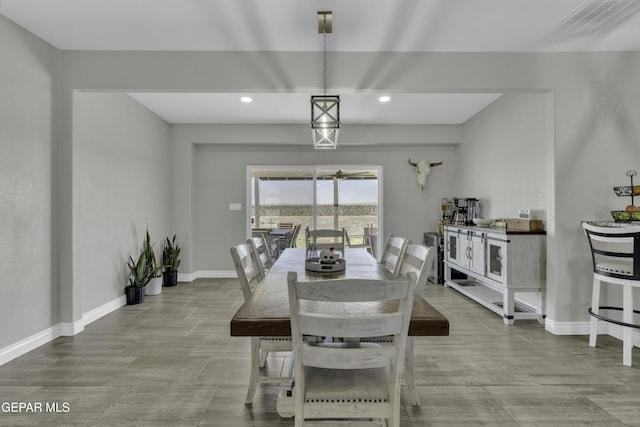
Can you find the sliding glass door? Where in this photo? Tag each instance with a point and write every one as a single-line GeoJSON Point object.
{"type": "Point", "coordinates": [318, 197]}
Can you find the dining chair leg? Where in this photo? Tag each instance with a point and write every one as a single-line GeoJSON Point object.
{"type": "Point", "coordinates": [263, 356]}
{"type": "Point", "coordinates": [408, 373]}
{"type": "Point", "coordinates": [255, 369]}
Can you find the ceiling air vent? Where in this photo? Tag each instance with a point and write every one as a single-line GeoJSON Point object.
{"type": "Point", "coordinates": [593, 18]}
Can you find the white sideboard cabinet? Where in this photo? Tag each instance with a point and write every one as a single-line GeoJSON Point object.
{"type": "Point", "coordinates": [505, 270]}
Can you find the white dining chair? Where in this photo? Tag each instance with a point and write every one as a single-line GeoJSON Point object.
{"type": "Point", "coordinates": [262, 251]}
{"type": "Point", "coordinates": [420, 260]}
{"type": "Point", "coordinates": [250, 274]}
{"type": "Point", "coordinates": [615, 252]}
{"type": "Point", "coordinates": [357, 241]}
{"type": "Point", "coordinates": [326, 239]}
{"type": "Point", "coordinates": [272, 240]}
{"type": "Point", "coordinates": [372, 235]}
{"type": "Point", "coordinates": [289, 240]}
{"type": "Point", "coordinates": [392, 253]}
{"type": "Point", "coordinates": [348, 380]}
{"type": "Point", "coordinates": [417, 259]}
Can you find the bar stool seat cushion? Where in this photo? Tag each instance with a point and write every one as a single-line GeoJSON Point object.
{"type": "Point", "coordinates": [619, 267]}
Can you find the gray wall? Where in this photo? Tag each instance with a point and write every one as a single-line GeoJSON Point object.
{"type": "Point", "coordinates": [597, 134]}
{"type": "Point", "coordinates": [503, 158]}
{"type": "Point", "coordinates": [74, 200]}
{"type": "Point", "coordinates": [219, 178]}
{"type": "Point", "coordinates": [28, 82]}
{"type": "Point", "coordinates": [122, 186]}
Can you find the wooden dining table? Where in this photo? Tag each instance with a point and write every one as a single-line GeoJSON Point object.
{"type": "Point", "coordinates": [266, 312]}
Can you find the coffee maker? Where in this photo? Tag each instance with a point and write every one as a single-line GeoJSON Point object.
{"type": "Point", "coordinates": [460, 216]}
{"type": "Point", "coordinates": [473, 210]}
{"type": "Point", "coordinates": [460, 211]}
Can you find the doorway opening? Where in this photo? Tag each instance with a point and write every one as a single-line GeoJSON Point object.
{"type": "Point", "coordinates": [345, 197]}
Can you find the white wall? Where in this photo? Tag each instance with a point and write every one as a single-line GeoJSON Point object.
{"type": "Point", "coordinates": [28, 82]}
{"type": "Point", "coordinates": [503, 158]}
{"type": "Point", "coordinates": [122, 179]}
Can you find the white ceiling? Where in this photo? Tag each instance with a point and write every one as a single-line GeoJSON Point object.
{"type": "Point", "coordinates": [285, 108]}
{"type": "Point", "coordinates": [358, 26]}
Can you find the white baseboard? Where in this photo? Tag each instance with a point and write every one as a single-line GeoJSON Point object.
{"type": "Point", "coordinates": [207, 274]}
{"type": "Point", "coordinates": [582, 328]}
{"type": "Point", "coordinates": [104, 309]}
{"type": "Point", "coordinates": [71, 329]}
{"type": "Point", "coordinates": [30, 343]}
{"type": "Point", "coordinates": [567, 328]}
{"type": "Point", "coordinates": [61, 329]}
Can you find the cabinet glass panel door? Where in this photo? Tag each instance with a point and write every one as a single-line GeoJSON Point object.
{"type": "Point", "coordinates": [452, 247]}
{"type": "Point", "coordinates": [496, 263]}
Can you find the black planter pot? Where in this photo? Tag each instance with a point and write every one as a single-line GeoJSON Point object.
{"type": "Point", "coordinates": [134, 295]}
{"type": "Point", "coordinates": [170, 278]}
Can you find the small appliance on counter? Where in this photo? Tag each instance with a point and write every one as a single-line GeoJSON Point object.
{"type": "Point", "coordinates": [460, 211]}
{"type": "Point", "coordinates": [473, 210]}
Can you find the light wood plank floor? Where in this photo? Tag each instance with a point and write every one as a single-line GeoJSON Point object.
{"type": "Point", "coordinates": [171, 362]}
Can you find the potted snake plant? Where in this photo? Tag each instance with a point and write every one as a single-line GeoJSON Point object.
{"type": "Point", "coordinates": [138, 279]}
{"type": "Point", "coordinates": [170, 261]}
{"type": "Point", "coordinates": [154, 287]}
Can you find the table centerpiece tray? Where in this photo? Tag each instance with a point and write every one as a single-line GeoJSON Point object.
{"type": "Point", "coordinates": [314, 264]}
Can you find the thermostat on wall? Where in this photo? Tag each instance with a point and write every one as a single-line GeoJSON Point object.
{"type": "Point", "coordinates": [524, 214]}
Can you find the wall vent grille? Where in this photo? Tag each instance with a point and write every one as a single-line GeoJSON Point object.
{"type": "Point", "coordinates": [593, 19]}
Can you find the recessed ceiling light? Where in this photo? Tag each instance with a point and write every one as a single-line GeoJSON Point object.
{"type": "Point", "coordinates": [384, 98]}
{"type": "Point", "coordinates": [246, 99]}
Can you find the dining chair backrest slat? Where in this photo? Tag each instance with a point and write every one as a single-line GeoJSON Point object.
{"type": "Point", "coordinates": [326, 239]}
{"type": "Point", "coordinates": [393, 252]}
{"type": "Point", "coordinates": [261, 249]}
{"type": "Point", "coordinates": [248, 268]}
{"type": "Point", "coordinates": [418, 259]}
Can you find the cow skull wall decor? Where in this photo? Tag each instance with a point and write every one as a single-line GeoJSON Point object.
{"type": "Point", "coordinates": [423, 169]}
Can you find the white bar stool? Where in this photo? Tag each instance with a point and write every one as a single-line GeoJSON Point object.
{"type": "Point", "coordinates": [615, 250]}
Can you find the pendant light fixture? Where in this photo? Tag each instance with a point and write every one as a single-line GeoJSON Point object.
{"type": "Point", "coordinates": [325, 109]}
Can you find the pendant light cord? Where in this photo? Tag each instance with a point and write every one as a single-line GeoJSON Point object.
{"type": "Point", "coordinates": [324, 60]}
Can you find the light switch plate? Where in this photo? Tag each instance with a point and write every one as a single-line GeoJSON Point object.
{"type": "Point", "coordinates": [235, 206]}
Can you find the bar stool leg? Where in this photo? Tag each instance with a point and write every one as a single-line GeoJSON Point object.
{"type": "Point", "coordinates": [627, 317]}
{"type": "Point", "coordinates": [595, 305]}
